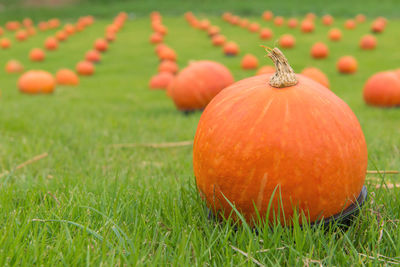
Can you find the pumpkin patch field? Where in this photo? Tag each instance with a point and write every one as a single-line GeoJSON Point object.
{"type": "Point", "coordinates": [199, 133]}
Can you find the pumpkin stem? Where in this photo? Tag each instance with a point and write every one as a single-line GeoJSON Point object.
{"type": "Point", "coordinates": [284, 75]}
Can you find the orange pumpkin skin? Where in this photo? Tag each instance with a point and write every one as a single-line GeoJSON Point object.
{"type": "Point", "coordinates": [27, 22]}
{"type": "Point", "coordinates": [335, 34]}
{"type": "Point", "coordinates": [266, 34]}
{"type": "Point", "coordinates": [350, 24]}
{"type": "Point", "coordinates": [168, 66]}
{"type": "Point", "coordinates": [204, 24]}
{"type": "Point", "coordinates": [36, 82]}
{"type": "Point", "coordinates": [378, 26]}
{"type": "Point", "coordinates": [249, 62]}
{"type": "Point", "coordinates": [37, 55]}
{"type": "Point", "coordinates": [156, 38]}
{"type": "Point", "coordinates": [85, 68]}
{"type": "Point", "coordinates": [267, 15]}
{"type": "Point", "coordinates": [287, 41]}
{"type": "Point", "coordinates": [265, 70]}
{"type": "Point", "coordinates": [307, 26]}
{"type": "Point", "coordinates": [21, 35]}
{"type": "Point", "coordinates": [292, 23]}
{"type": "Point", "coordinates": [93, 56]}
{"type": "Point", "coordinates": [213, 30]}
{"type": "Point", "coordinates": [254, 27]}
{"type": "Point", "coordinates": [61, 36]}
{"type": "Point", "coordinates": [368, 42]}
{"type": "Point", "coordinates": [167, 53]}
{"type": "Point", "coordinates": [302, 140]}
{"type": "Point", "coordinates": [51, 43]}
{"type": "Point", "coordinates": [14, 66]}
{"type": "Point", "coordinates": [195, 86]}
{"type": "Point", "coordinates": [101, 45]}
{"type": "Point", "coordinates": [67, 77]}
{"type": "Point", "coordinates": [279, 21]}
{"type": "Point", "coordinates": [218, 40]}
{"type": "Point", "coordinates": [5, 43]}
{"type": "Point", "coordinates": [69, 29]}
{"type": "Point", "coordinates": [316, 75]}
{"type": "Point", "coordinates": [319, 50]}
{"type": "Point", "coordinates": [347, 65]}
{"type": "Point", "coordinates": [110, 37]}
{"type": "Point", "coordinates": [13, 25]}
{"type": "Point", "coordinates": [231, 49]}
{"type": "Point", "coordinates": [383, 89]}
{"type": "Point", "coordinates": [360, 18]}
{"type": "Point", "coordinates": [161, 80]}
{"type": "Point", "coordinates": [327, 20]}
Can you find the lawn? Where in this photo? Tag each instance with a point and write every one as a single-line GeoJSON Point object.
{"type": "Point", "coordinates": [88, 202]}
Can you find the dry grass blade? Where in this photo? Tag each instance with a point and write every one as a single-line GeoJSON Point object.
{"type": "Point", "coordinates": [247, 256]}
{"type": "Point", "coordinates": [379, 258]}
{"type": "Point", "coordinates": [32, 160]}
{"type": "Point", "coordinates": [155, 145]}
{"type": "Point", "coordinates": [382, 172]}
{"type": "Point", "coordinates": [270, 249]}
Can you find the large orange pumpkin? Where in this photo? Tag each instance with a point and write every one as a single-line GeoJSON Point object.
{"type": "Point", "coordinates": [368, 42]}
{"type": "Point", "coordinates": [316, 75]}
{"type": "Point", "coordinates": [51, 43]}
{"type": "Point", "coordinates": [85, 68]}
{"type": "Point", "coordinates": [383, 89]}
{"type": "Point", "coordinates": [14, 66]}
{"type": "Point", "coordinates": [37, 54]}
{"type": "Point", "coordinates": [36, 82]}
{"type": "Point", "coordinates": [319, 50]}
{"type": "Point", "coordinates": [93, 56]}
{"type": "Point", "coordinates": [282, 141]}
{"type": "Point", "coordinates": [231, 49]}
{"type": "Point", "coordinates": [347, 65]}
{"type": "Point", "coordinates": [161, 80]}
{"type": "Point", "coordinates": [287, 41]}
{"type": "Point", "coordinates": [249, 62]}
{"type": "Point", "coordinates": [266, 34]}
{"type": "Point", "coordinates": [67, 77]}
{"type": "Point", "coordinates": [335, 34]}
{"type": "Point", "coordinates": [195, 86]}
{"type": "Point", "coordinates": [100, 45]}
{"type": "Point", "coordinates": [5, 43]}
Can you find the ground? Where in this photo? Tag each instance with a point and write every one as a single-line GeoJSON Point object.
{"type": "Point", "coordinates": [89, 202]}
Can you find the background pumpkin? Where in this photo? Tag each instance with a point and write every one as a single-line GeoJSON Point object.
{"type": "Point", "coordinates": [383, 89]}
{"type": "Point", "coordinates": [67, 77]}
{"type": "Point", "coordinates": [36, 82]}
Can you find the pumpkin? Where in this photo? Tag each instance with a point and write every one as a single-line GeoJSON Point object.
{"type": "Point", "coordinates": [249, 62]}
{"type": "Point", "coordinates": [377, 26]}
{"type": "Point", "coordinates": [167, 53]}
{"type": "Point", "coordinates": [265, 70]}
{"type": "Point", "coordinates": [1, 31]}
{"type": "Point", "coordinates": [156, 38]}
{"type": "Point", "coordinates": [13, 25]}
{"type": "Point", "coordinates": [69, 29]}
{"type": "Point", "coordinates": [368, 42]}
{"type": "Point", "coordinates": [37, 55]}
{"type": "Point", "coordinates": [383, 89]}
{"type": "Point", "coordinates": [61, 36]}
{"type": "Point", "coordinates": [287, 41]}
{"type": "Point", "coordinates": [327, 20]}
{"type": "Point", "coordinates": [67, 77]}
{"type": "Point", "coordinates": [267, 15]}
{"type": "Point", "coordinates": [161, 29]}
{"type": "Point", "coordinates": [110, 37]}
{"type": "Point", "coordinates": [254, 27]}
{"type": "Point", "coordinates": [31, 31]}
{"type": "Point", "coordinates": [51, 43]}
{"type": "Point", "coordinates": [168, 66]}
{"type": "Point", "coordinates": [279, 21]}
{"type": "Point", "coordinates": [21, 35]}
{"type": "Point", "coordinates": [161, 80]}
{"type": "Point", "coordinates": [14, 66]}
{"type": "Point", "coordinates": [316, 75]}
{"type": "Point", "coordinates": [54, 23]}
{"type": "Point", "coordinates": [5, 43]}
{"type": "Point", "coordinates": [281, 141]}
{"type": "Point", "coordinates": [307, 26]}
{"type": "Point", "coordinates": [244, 23]}
{"type": "Point", "coordinates": [266, 34]}
{"type": "Point", "coordinates": [311, 16]}
{"type": "Point", "coordinates": [231, 49]}
{"type": "Point", "coordinates": [93, 56]}
{"type": "Point", "coordinates": [225, 16]}
{"type": "Point", "coordinates": [350, 24]}
{"type": "Point", "coordinates": [204, 24]}
{"type": "Point", "coordinates": [235, 20]}
{"type": "Point", "coordinates": [335, 34]}
{"type": "Point", "coordinates": [360, 18]}
{"type": "Point", "coordinates": [36, 82]}
{"type": "Point", "coordinates": [319, 50]}
{"type": "Point", "coordinates": [100, 45]}
{"type": "Point", "coordinates": [218, 40]}
{"type": "Point", "coordinates": [27, 22]}
{"type": "Point", "coordinates": [85, 68]}
{"type": "Point", "coordinates": [292, 23]}
{"type": "Point", "coordinates": [213, 30]}
{"type": "Point", "coordinates": [195, 86]}
{"type": "Point", "coordinates": [43, 26]}
{"type": "Point", "coordinates": [347, 65]}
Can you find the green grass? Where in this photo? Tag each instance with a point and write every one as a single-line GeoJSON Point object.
{"type": "Point", "coordinates": [88, 203]}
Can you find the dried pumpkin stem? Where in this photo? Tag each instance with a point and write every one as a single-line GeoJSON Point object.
{"type": "Point", "coordinates": [284, 75]}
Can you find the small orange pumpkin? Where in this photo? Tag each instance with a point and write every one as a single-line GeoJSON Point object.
{"type": "Point", "coordinates": [195, 86]}
{"type": "Point", "coordinates": [213, 30]}
{"type": "Point", "coordinates": [67, 77]}
{"type": "Point", "coordinates": [36, 82]}
{"type": "Point", "coordinates": [43, 26]}
{"type": "Point", "coordinates": [14, 66]}
{"type": "Point", "coordinates": [287, 41]}
{"type": "Point", "coordinates": [110, 37]}
{"type": "Point", "coordinates": [31, 31]}
{"type": "Point", "coordinates": [231, 49]}
{"type": "Point", "coordinates": [368, 42]}
{"type": "Point", "coordinates": [100, 45]}
{"type": "Point", "coordinates": [267, 15]}
{"type": "Point", "coordinates": [61, 36]}
{"type": "Point", "coordinates": [51, 43]}
{"type": "Point", "coordinates": [13, 25]}
{"type": "Point", "coordinates": [316, 75]}
{"type": "Point", "coordinates": [85, 68]}
{"type": "Point", "coordinates": [292, 23]}
{"type": "Point", "coordinates": [93, 56]}
{"type": "Point", "coordinates": [156, 38]}
{"type": "Point", "coordinates": [279, 21]}
{"type": "Point", "coordinates": [254, 27]}
{"type": "Point", "coordinates": [266, 34]}
{"type": "Point", "coordinates": [307, 26]}
{"type": "Point", "coordinates": [168, 66]}
{"type": "Point", "coordinates": [347, 65]}
{"type": "Point", "coordinates": [319, 50]}
{"type": "Point", "coordinates": [204, 24]}
{"type": "Point", "coordinates": [378, 26]}
{"type": "Point", "coordinates": [265, 70]}
{"type": "Point", "coordinates": [244, 23]}
{"type": "Point", "coordinates": [167, 53]}
{"type": "Point", "coordinates": [21, 35]}
{"type": "Point", "coordinates": [5, 43]}
{"type": "Point", "coordinates": [54, 23]}
{"type": "Point", "coordinates": [327, 20]}
{"type": "Point", "coordinates": [360, 18]}
{"type": "Point", "coordinates": [218, 40]}
{"type": "Point", "coordinates": [335, 34]}
{"type": "Point", "coordinates": [350, 24]}
{"type": "Point", "coordinates": [161, 80]}
{"type": "Point", "coordinates": [69, 29]}
{"type": "Point", "coordinates": [383, 89]}
{"type": "Point", "coordinates": [37, 55]}
{"type": "Point", "coordinates": [249, 62]}
{"type": "Point", "coordinates": [27, 22]}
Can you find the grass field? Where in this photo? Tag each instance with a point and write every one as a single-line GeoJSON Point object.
{"type": "Point", "coordinates": [89, 203]}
